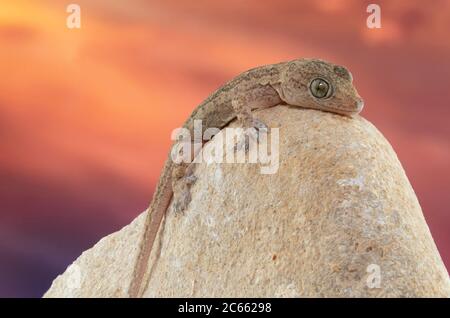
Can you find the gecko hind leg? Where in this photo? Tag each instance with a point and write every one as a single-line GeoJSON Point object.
{"type": "Point", "coordinates": [182, 180]}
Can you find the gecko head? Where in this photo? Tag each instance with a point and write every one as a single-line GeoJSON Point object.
{"type": "Point", "coordinates": [317, 84]}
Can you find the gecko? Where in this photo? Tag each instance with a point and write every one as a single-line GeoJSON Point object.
{"type": "Point", "coordinates": [306, 83]}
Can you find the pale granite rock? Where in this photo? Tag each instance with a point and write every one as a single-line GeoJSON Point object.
{"type": "Point", "coordinates": [338, 212]}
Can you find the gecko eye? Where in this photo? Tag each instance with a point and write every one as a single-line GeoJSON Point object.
{"type": "Point", "coordinates": [320, 88]}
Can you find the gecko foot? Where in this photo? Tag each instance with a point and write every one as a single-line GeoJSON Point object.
{"type": "Point", "coordinates": [251, 134]}
{"type": "Point", "coordinates": [182, 192]}
{"type": "Point", "coordinates": [258, 124]}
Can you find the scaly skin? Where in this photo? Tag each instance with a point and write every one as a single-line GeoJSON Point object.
{"type": "Point", "coordinates": [261, 87]}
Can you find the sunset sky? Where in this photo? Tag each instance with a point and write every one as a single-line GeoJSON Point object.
{"type": "Point", "coordinates": [86, 114]}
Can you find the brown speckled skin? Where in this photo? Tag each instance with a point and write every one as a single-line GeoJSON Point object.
{"type": "Point", "coordinates": [261, 87]}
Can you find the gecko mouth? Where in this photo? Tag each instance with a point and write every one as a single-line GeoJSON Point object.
{"type": "Point", "coordinates": [359, 104]}
{"type": "Point", "coordinates": [345, 111]}
{"type": "Point", "coordinates": [349, 110]}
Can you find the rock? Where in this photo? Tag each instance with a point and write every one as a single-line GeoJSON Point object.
{"type": "Point", "coordinates": [338, 219]}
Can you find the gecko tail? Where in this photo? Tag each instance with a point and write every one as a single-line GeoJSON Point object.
{"type": "Point", "coordinates": [155, 214]}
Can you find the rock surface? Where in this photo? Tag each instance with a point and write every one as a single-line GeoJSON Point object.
{"type": "Point", "coordinates": [338, 219]}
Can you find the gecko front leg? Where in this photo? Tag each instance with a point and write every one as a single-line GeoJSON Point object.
{"type": "Point", "coordinates": [246, 119]}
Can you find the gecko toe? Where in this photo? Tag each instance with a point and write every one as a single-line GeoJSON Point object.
{"type": "Point", "coordinates": [260, 128]}
{"type": "Point", "coordinates": [259, 125]}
